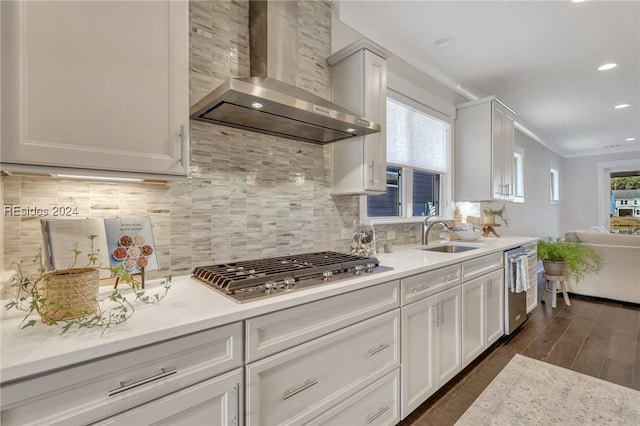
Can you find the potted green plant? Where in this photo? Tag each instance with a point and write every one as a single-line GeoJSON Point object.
{"type": "Point", "coordinates": [489, 215]}
{"type": "Point", "coordinates": [560, 257]}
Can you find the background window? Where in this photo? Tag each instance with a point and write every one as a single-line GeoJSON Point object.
{"type": "Point", "coordinates": [554, 191]}
{"type": "Point", "coordinates": [417, 163]}
{"type": "Point", "coordinates": [518, 176]}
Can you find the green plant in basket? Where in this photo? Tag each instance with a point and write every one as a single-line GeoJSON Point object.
{"type": "Point", "coordinates": [70, 296]}
{"type": "Point", "coordinates": [579, 259]}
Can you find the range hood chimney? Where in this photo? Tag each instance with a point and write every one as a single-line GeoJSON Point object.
{"type": "Point", "coordinates": [269, 101]}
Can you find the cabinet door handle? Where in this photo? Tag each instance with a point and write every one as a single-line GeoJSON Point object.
{"type": "Point", "coordinates": [442, 312]}
{"type": "Point", "coordinates": [378, 349]}
{"type": "Point", "coordinates": [306, 385]}
{"type": "Point", "coordinates": [381, 411]}
{"type": "Point", "coordinates": [373, 169]}
{"type": "Point", "coordinates": [124, 386]}
{"type": "Point", "coordinates": [435, 319]}
{"type": "Point", "coordinates": [236, 389]}
{"type": "Point", "coordinates": [419, 289]}
{"type": "Point", "coordinates": [183, 147]}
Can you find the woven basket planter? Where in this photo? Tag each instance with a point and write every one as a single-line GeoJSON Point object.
{"type": "Point", "coordinates": [68, 294]}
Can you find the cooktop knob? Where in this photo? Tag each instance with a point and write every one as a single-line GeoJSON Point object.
{"type": "Point", "coordinates": [327, 275]}
{"type": "Point", "coordinates": [358, 269]}
{"type": "Point", "coordinates": [370, 267]}
{"type": "Point", "coordinates": [289, 282]}
{"type": "Point", "coordinates": [270, 287]}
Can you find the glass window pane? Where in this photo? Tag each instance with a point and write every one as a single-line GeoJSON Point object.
{"type": "Point", "coordinates": [415, 139]}
{"type": "Point", "coordinates": [425, 193]}
{"type": "Point", "coordinates": [387, 204]}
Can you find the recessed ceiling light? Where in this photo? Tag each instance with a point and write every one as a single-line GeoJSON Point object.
{"type": "Point", "coordinates": [621, 106]}
{"type": "Point", "coordinates": [606, 67]}
{"type": "Point", "coordinates": [444, 41]}
{"type": "Point", "coordinates": [256, 105]}
{"type": "Point", "coordinates": [630, 139]}
{"type": "Point", "coordinates": [577, 1]}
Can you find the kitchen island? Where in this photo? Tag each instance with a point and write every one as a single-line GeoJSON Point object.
{"type": "Point", "coordinates": [191, 310]}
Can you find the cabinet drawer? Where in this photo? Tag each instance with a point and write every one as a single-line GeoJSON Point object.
{"type": "Point", "coordinates": [299, 384]}
{"type": "Point", "coordinates": [91, 391]}
{"type": "Point", "coordinates": [277, 331]}
{"type": "Point", "coordinates": [377, 404]}
{"type": "Point", "coordinates": [482, 265]}
{"type": "Point", "coordinates": [216, 401]}
{"type": "Point", "coordinates": [423, 285]}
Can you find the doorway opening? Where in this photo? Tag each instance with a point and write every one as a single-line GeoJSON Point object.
{"type": "Point", "coordinates": [624, 214]}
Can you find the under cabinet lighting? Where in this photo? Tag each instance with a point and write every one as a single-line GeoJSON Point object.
{"type": "Point", "coordinates": [606, 67]}
{"type": "Point", "coordinates": [621, 106]}
{"type": "Point", "coordinates": [630, 139]}
{"type": "Point", "coordinates": [104, 178]}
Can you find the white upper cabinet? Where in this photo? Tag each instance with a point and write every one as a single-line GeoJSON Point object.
{"type": "Point", "coordinates": [97, 85]}
{"type": "Point", "coordinates": [359, 84]}
{"type": "Point", "coordinates": [484, 151]}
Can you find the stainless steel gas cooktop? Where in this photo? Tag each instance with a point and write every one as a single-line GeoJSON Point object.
{"type": "Point", "coordinates": [250, 280]}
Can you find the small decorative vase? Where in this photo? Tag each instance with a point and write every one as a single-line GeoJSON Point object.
{"type": "Point", "coordinates": [68, 294]}
{"type": "Point", "coordinates": [489, 219]}
{"type": "Point", "coordinates": [554, 268]}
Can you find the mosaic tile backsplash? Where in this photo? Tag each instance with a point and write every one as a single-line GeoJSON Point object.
{"type": "Point", "coordinates": [249, 195]}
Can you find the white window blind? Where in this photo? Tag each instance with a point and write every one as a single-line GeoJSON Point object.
{"type": "Point", "coordinates": [415, 139]}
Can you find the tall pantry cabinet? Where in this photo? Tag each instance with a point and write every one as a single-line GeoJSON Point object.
{"type": "Point", "coordinates": [97, 85]}
{"type": "Point", "coordinates": [484, 151]}
{"type": "Point", "coordinates": [359, 76]}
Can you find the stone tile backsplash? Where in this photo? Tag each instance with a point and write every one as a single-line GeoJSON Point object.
{"type": "Point", "coordinates": [248, 196]}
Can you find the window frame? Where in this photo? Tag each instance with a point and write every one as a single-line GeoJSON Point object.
{"type": "Point", "coordinates": [445, 202]}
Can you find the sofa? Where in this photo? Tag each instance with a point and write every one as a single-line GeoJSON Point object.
{"type": "Point", "coordinates": [619, 278]}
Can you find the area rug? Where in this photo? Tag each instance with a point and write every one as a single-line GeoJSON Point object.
{"type": "Point", "coordinates": [532, 392]}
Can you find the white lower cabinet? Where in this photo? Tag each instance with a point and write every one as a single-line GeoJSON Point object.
{"type": "Point", "coordinates": [377, 404]}
{"type": "Point", "coordinates": [217, 401]}
{"type": "Point", "coordinates": [299, 384]}
{"type": "Point", "coordinates": [482, 314]}
{"type": "Point", "coordinates": [94, 391]}
{"type": "Point", "coordinates": [532, 260]}
{"type": "Point", "coordinates": [431, 346]}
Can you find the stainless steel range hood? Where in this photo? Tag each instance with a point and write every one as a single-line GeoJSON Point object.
{"type": "Point", "coordinates": [269, 102]}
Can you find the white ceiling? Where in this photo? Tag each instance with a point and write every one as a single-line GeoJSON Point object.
{"type": "Point", "coordinates": [539, 57]}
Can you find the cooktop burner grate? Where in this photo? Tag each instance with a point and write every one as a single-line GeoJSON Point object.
{"type": "Point", "coordinates": [238, 279]}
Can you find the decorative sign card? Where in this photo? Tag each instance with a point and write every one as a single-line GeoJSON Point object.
{"type": "Point", "coordinates": [126, 242]}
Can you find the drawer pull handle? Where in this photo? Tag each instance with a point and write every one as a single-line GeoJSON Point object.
{"type": "Point", "coordinates": [451, 278]}
{"type": "Point", "coordinates": [380, 412]}
{"type": "Point", "coordinates": [378, 349]}
{"type": "Point", "coordinates": [307, 384]}
{"type": "Point", "coordinates": [419, 289]}
{"type": "Point", "coordinates": [124, 386]}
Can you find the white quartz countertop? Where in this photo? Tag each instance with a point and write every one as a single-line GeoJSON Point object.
{"type": "Point", "coordinates": [191, 307]}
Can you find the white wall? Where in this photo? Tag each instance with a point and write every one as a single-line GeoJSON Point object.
{"type": "Point", "coordinates": [536, 216]}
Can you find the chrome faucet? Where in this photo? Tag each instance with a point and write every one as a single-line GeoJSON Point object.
{"type": "Point", "coordinates": [426, 227]}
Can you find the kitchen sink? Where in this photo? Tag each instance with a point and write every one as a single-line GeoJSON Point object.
{"type": "Point", "coordinates": [449, 248]}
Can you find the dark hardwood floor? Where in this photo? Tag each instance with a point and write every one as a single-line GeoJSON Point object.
{"type": "Point", "coordinates": [594, 337]}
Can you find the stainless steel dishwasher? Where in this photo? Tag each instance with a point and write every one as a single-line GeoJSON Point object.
{"type": "Point", "coordinates": [515, 304]}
